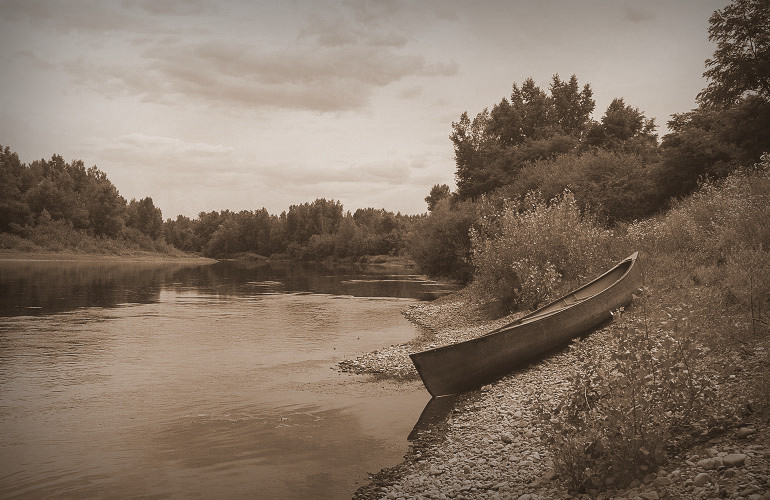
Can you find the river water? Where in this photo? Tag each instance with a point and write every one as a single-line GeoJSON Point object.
{"type": "Point", "coordinates": [139, 380]}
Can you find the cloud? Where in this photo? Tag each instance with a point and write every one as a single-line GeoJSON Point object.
{"type": "Point", "coordinates": [176, 52]}
{"type": "Point", "coordinates": [150, 151]}
{"type": "Point", "coordinates": [637, 14]}
{"type": "Point", "coordinates": [76, 15]}
{"type": "Point", "coordinates": [94, 16]}
{"type": "Point", "coordinates": [379, 174]}
{"type": "Point", "coordinates": [172, 7]}
{"type": "Point", "coordinates": [340, 30]}
{"type": "Point", "coordinates": [238, 74]}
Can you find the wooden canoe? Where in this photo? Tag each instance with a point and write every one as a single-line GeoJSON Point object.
{"type": "Point", "coordinates": [467, 365]}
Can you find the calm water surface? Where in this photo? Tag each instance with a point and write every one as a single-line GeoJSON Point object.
{"type": "Point", "coordinates": [168, 381]}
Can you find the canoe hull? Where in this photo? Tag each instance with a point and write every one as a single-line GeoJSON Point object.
{"type": "Point", "coordinates": [466, 365]}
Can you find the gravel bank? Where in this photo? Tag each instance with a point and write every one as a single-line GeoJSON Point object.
{"type": "Point", "coordinates": [488, 444]}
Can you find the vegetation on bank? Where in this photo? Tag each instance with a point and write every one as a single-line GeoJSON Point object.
{"type": "Point", "coordinates": [557, 199]}
{"type": "Point", "coordinates": [702, 314]}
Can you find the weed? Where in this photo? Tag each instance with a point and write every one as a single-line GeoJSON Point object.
{"type": "Point", "coordinates": [623, 407]}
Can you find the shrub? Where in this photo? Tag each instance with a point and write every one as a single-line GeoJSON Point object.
{"type": "Point", "coordinates": [745, 278]}
{"type": "Point", "coordinates": [523, 257]}
{"type": "Point", "coordinates": [614, 185]}
{"type": "Point", "coordinates": [54, 235]}
{"type": "Point", "coordinates": [620, 412]}
{"type": "Point", "coordinates": [440, 243]}
{"type": "Point", "coordinates": [716, 220]}
{"type": "Point", "coordinates": [722, 235]}
{"type": "Point", "coordinates": [15, 242]}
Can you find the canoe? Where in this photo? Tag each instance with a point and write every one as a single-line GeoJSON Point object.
{"type": "Point", "coordinates": [463, 366]}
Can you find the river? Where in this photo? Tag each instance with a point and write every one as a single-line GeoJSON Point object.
{"type": "Point", "coordinates": [172, 380]}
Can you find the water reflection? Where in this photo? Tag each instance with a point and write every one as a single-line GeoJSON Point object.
{"type": "Point", "coordinates": [33, 288]}
{"type": "Point", "coordinates": [233, 278]}
{"type": "Point", "coordinates": [435, 413]}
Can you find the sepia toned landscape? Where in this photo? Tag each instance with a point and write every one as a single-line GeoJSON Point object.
{"type": "Point", "coordinates": [226, 227]}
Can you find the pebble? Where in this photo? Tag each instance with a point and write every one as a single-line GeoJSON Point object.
{"type": "Point", "coordinates": [734, 460]}
{"type": "Point", "coordinates": [701, 479]}
{"type": "Point", "coordinates": [710, 463]}
{"type": "Point", "coordinates": [745, 432]}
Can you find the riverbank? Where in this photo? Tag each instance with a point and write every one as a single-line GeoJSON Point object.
{"type": "Point", "coordinates": [490, 443]}
{"type": "Point", "coordinates": [69, 256]}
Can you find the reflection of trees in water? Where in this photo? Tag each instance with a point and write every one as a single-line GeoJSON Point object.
{"type": "Point", "coordinates": [44, 287]}
{"type": "Point", "coordinates": [29, 288]}
{"type": "Point", "coordinates": [233, 278]}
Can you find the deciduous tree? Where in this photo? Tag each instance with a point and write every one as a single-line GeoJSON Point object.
{"type": "Point", "coordinates": [741, 61]}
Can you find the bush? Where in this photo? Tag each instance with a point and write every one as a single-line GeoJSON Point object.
{"type": "Point", "coordinates": [524, 257]}
{"type": "Point", "coordinates": [620, 412]}
{"type": "Point", "coordinates": [614, 185]}
{"type": "Point", "coordinates": [55, 235]}
{"type": "Point", "coordinates": [716, 220]}
{"type": "Point", "coordinates": [440, 243]}
{"type": "Point", "coordinates": [15, 242]}
{"type": "Point", "coordinates": [745, 278]}
{"type": "Point", "coordinates": [721, 232]}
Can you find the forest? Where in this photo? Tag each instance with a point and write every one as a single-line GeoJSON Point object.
{"type": "Point", "coordinates": [539, 142]}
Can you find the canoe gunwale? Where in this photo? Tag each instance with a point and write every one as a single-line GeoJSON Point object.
{"type": "Point", "coordinates": [538, 313]}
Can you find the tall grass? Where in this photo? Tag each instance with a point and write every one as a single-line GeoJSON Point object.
{"type": "Point", "coordinates": [717, 243]}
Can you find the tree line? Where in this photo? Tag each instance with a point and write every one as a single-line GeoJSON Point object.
{"type": "Point", "coordinates": [47, 192]}
{"type": "Point", "coordinates": [308, 231]}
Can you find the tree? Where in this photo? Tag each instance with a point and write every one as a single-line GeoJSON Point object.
{"type": "Point", "coordinates": [144, 216]}
{"type": "Point", "coordinates": [741, 62]}
{"type": "Point", "coordinates": [14, 213]}
{"type": "Point", "coordinates": [712, 142]}
{"type": "Point", "coordinates": [440, 242]}
{"type": "Point", "coordinates": [572, 108]}
{"type": "Point", "coordinates": [106, 208]}
{"type": "Point", "coordinates": [623, 128]}
{"type": "Point", "coordinates": [531, 125]}
{"type": "Point", "coordinates": [437, 193]}
{"type": "Point", "coordinates": [181, 234]}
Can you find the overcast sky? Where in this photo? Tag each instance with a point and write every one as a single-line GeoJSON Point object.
{"type": "Point", "coordinates": [210, 105]}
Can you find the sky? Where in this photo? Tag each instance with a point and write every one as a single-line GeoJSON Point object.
{"type": "Point", "coordinates": [211, 105]}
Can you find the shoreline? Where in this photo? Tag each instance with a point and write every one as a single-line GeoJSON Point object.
{"type": "Point", "coordinates": [68, 256]}
{"type": "Point", "coordinates": [488, 443]}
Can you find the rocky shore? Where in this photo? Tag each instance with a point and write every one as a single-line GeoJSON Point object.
{"type": "Point", "coordinates": [489, 443]}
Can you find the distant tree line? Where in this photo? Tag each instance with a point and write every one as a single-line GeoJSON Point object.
{"type": "Point", "coordinates": [310, 231]}
{"type": "Point", "coordinates": [60, 196]}
{"type": "Point", "coordinates": [56, 203]}
{"type": "Point", "coordinates": [546, 141]}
